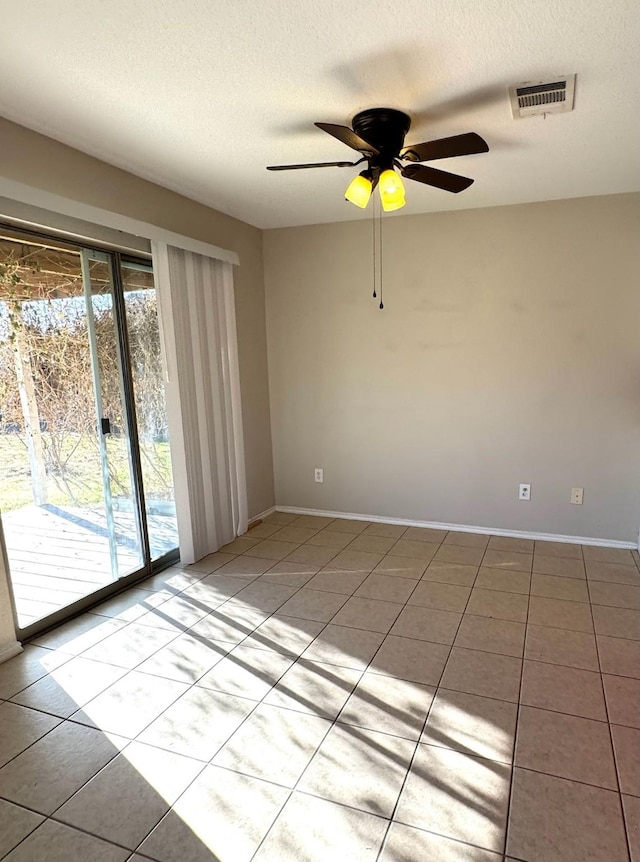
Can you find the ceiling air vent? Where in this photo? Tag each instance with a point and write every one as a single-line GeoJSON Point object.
{"type": "Point", "coordinates": [542, 97]}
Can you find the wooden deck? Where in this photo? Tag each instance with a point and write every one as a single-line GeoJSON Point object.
{"type": "Point", "coordinates": [58, 555]}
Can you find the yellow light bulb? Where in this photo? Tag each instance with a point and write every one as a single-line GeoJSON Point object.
{"type": "Point", "coordinates": [391, 191]}
{"type": "Point", "coordinates": [359, 191]}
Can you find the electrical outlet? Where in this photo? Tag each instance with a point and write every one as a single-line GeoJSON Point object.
{"type": "Point", "coordinates": [318, 474]}
{"type": "Point", "coordinates": [576, 496]}
{"type": "Point", "coordinates": [525, 492]}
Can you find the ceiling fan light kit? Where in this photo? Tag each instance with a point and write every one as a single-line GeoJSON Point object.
{"type": "Point", "coordinates": [378, 136]}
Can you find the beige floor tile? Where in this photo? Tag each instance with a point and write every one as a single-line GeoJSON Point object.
{"type": "Point", "coordinates": [623, 699]}
{"type": "Point", "coordinates": [28, 666]}
{"type": "Point", "coordinates": [287, 635]}
{"type": "Point", "coordinates": [130, 704]}
{"type": "Point", "coordinates": [330, 539]}
{"type": "Point", "coordinates": [613, 573]}
{"type": "Point", "coordinates": [345, 583]}
{"type": "Point", "coordinates": [353, 561]}
{"type": "Point", "coordinates": [299, 535]}
{"type": "Point", "coordinates": [407, 844]}
{"type": "Point", "coordinates": [130, 605]}
{"type": "Point", "coordinates": [263, 596]}
{"type": "Point", "coordinates": [631, 806]}
{"type": "Point", "coordinates": [240, 545]}
{"type": "Point", "coordinates": [607, 555]}
{"type": "Point", "coordinates": [20, 728]}
{"type": "Point", "coordinates": [212, 562]}
{"type": "Point", "coordinates": [175, 615]}
{"type": "Point", "coordinates": [561, 614]}
{"type": "Point", "coordinates": [346, 525]}
{"type": "Point", "coordinates": [246, 567]}
{"type": "Point", "coordinates": [386, 589]}
{"type": "Point", "coordinates": [561, 646]}
{"type": "Point", "coordinates": [214, 590]}
{"type": "Point", "coordinates": [223, 815]}
{"type": "Point", "coordinates": [388, 705]}
{"type": "Point", "coordinates": [273, 549]}
{"type": "Point", "coordinates": [198, 724]}
{"type": "Point", "coordinates": [344, 646]}
{"type": "Point", "coordinates": [425, 534]}
{"type": "Point", "coordinates": [451, 573]}
{"type": "Point", "coordinates": [415, 660]}
{"type": "Point", "coordinates": [291, 574]}
{"type": "Point", "coordinates": [56, 842]}
{"type": "Point", "coordinates": [400, 567]}
{"type": "Point", "coordinates": [15, 824]}
{"type": "Point", "coordinates": [372, 544]}
{"type": "Point", "coordinates": [313, 605]}
{"type": "Point", "coordinates": [498, 604]}
{"type": "Point", "coordinates": [619, 656]}
{"type": "Point", "coordinates": [369, 614]}
{"type": "Point", "coordinates": [615, 595]}
{"type": "Point", "coordinates": [444, 597]}
{"type": "Point", "coordinates": [558, 549]}
{"type": "Point", "coordinates": [626, 744]}
{"type": "Point", "coordinates": [72, 685]}
{"type": "Point", "coordinates": [616, 622]}
{"type": "Point", "coordinates": [228, 624]}
{"type": "Point", "coordinates": [342, 769]}
{"type": "Point", "coordinates": [423, 551]}
{"type": "Point", "coordinates": [486, 674]}
{"type": "Point", "coordinates": [566, 746]}
{"type": "Point", "coordinates": [172, 581]}
{"type": "Point", "coordinates": [392, 531]}
{"type": "Point", "coordinates": [274, 744]}
{"type": "Point", "coordinates": [130, 646]}
{"type": "Point", "coordinates": [316, 522]}
{"type": "Point", "coordinates": [563, 689]}
{"type": "Point", "coordinates": [470, 724]}
{"type": "Point", "coordinates": [556, 819]}
{"type": "Point", "coordinates": [491, 635]}
{"type": "Point", "coordinates": [263, 531]}
{"type": "Point", "coordinates": [475, 813]}
{"type": "Point", "coordinates": [464, 555]}
{"type": "Point", "coordinates": [313, 829]}
{"type": "Point", "coordinates": [185, 659]}
{"type": "Point", "coordinates": [553, 587]}
{"type": "Point", "coordinates": [313, 555]}
{"type": "Point", "coordinates": [247, 672]}
{"type": "Point", "coordinates": [314, 688]}
{"type": "Point", "coordinates": [509, 582]}
{"type": "Point", "coordinates": [506, 543]}
{"type": "Point", "coordinates": [77, 635]}
{"type": "Point", "coordinates": [427, 624]}
{"type": "Point", "coordinates": [126, 799]}
{"type": "Point", "coordinates": [467, 540]}
{"type": "Point", "coordinates": [512, 561]}
{"type": "Point", "coordinates": [561, 567]}
{"type": "Point", "coordinates": [53, 768]}
{"type": "Point", "coordinates": [281, 518]}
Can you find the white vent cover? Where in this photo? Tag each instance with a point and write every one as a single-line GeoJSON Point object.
{"type": "Point", "coordinates": [554, 96]}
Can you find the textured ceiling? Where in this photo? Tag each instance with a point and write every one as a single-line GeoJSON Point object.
{"type": "Point", "coordinates": [201, 95]}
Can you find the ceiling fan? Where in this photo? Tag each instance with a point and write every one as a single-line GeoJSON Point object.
{"type": "Point", "coordinates": [378, 135]}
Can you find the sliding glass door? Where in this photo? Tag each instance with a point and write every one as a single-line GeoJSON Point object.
{"type": "Point", "coordinates": [86, 493]}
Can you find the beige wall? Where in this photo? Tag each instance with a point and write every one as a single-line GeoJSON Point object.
{"type": "Point", "coordinates": [35, 160]}
{"type": "Point", "coordinates": [508, 351]}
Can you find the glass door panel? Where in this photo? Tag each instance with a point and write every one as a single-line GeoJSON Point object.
{"type": "Point", "coordinates": [147, 372]}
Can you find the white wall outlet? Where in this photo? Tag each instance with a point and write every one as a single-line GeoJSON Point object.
{"type": "Point", "coordinates": [576, 496]}
{"type": "Point", "coordinates": [525, 492]}
{"type": "Point", "coordinates": [318, 474]}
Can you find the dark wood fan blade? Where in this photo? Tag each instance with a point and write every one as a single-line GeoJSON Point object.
{"type": "Point", "coordinates": [433, 177]}
{"type": "Point", "coordinates": [348, 136]}
{"type": "Point", "coordinates": [314, 165]}
{"type": "Point", "coordinates": [446, 148]}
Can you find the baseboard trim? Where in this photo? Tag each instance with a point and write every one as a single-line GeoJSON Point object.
{"type": "Point", "coordinates": [9, 651]}
{"type": "Point", "coordinates": [262, 515]}
{"type": "Point", "coordinates": [462, 528]}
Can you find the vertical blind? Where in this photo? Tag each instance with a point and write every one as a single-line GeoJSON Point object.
{"type": "Point", "coordinates": [198, 326]}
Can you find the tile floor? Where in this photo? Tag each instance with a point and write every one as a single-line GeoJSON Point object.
{"type": "Point", "coordinates": [325, 690]}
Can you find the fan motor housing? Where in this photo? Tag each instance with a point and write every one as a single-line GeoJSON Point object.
{"type": "Point", "coordinates": [385, 129]}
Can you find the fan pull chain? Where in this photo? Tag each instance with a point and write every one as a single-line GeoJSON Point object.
{"type": "Point", "coordinates": [373, 222]}
{"type": "Point", "coordinates": [381, 306]}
